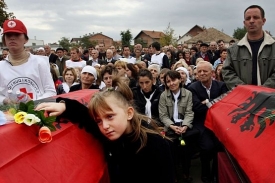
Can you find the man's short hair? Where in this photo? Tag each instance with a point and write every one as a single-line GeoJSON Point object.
{"type": "Point", "coordinates": [125, 46]}
{"type": "Point", "coordinates": [223, 50]}
{"type": "Point", "coordinates": [219, 41]}
{"type": "Point", "coordinates": [199, 41]}
{"type": "Point", "coordinates": [59, 49]}
{"type": "Point", "coordinates": [75, 49]}
{"type": "Point", "coordinates": [194, 48]}
{"type": "Point", "coordinates": [85, 52]}
{"type": "Point", "coordinates": [156, 45]}
{"type": "Point", "coordinates": [256, 6]}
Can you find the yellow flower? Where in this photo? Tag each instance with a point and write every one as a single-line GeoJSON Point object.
{"type": "Point", "coordinates": [19, 117]}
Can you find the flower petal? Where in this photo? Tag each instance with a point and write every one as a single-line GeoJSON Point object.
{"type": "Point", "coordinates": [19, 117]}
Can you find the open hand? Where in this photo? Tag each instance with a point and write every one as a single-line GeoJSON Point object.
{"type": "Point", "coordinates": [52, 108]}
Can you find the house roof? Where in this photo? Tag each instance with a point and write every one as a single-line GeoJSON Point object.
{"type": "Point", "coordinates": [75, 39]}
{"type": "Point", "coordinates": [92, 35]}
{"type": "Point", "coordinates": [192, 34]}
{"type": "Point", "coordinates": [211, 34]}
{"type": "Point", "coordinates": [153, 34]}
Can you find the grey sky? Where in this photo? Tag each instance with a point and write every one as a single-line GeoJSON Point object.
{"type": "Point", "coordinates": [52, 19]}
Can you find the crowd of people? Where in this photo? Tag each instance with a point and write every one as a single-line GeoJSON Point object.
{"type": "Point", "coordinates": [152, 90]}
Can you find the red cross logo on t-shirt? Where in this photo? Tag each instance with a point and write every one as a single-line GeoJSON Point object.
{"type": "Point", "coordinates": [24, 90]}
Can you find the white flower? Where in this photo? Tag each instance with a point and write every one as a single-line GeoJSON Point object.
{"type": "Point", "coordinates": [31, 119]}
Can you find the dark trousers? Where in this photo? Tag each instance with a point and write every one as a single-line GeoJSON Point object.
{"type": "Point", "coordinates": [183, 154]}
{"type": "Point", "coordinates": [209, 147]}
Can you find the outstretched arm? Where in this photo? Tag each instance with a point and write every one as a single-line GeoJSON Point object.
{"type": "Point", "coordinates": [73, 111]}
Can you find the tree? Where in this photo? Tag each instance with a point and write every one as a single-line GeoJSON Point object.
{"type": "Point", "coordinates": [141, 41]}
{"type": "Point", "coordinates": [4, 15]}
{"type": "Point", "coordinates": [126, 37]}
{"type": "Point", "coordinates": [65, 43]}
{"type": "Point", "coordinates": [239, 33]}
{"type": "Point", "coordinates": [85, 41]}
{"type": "Point", "coordinates": [169, 37]}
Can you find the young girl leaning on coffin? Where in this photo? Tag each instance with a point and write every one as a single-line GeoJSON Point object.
{"type": "Point", "coordinates": [134, 152]}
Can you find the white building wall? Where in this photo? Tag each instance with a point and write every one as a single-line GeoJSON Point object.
{"type": "Point", "coordinates": [183, 39]}
{"type": "Point", "coordinates": [35, 43]}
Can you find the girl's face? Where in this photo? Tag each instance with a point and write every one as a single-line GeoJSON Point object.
{"type": "Point", "coordinates": [168, 53]}
{"type": "Point", "coordinates": [69, 77]}
{"type": "Point", "coordinates": [219, 69]}
{"type": "Point", "coordinates": [195, 73]}
{"type": "Point", "coordinates": [190, 71]}
{"type": "Point", "coordinates": [121, 71]}
{"type": "Point", "coordinates": [180, 56]}
{"type": "Point", "coordinates": [116, 122]}
{"type": "Point", "coordinates": [78, 71]}
{"type": "Point", "coordinates": [173, 85]}
{"type": "Point", "coordinates": [128, 72]}
{"type": "Point", "coordinates": [192, 52]}
{"type": "Point", "coordinates": [137, 68]}
{"type": "Point", "coordinates": [145, 84]}
{"type": "Point", "coordinates": [161, 78]}
{"type": "Point", "coordinates": [187, 54]}
{"type": "Point", "coordinates": [107, 79]}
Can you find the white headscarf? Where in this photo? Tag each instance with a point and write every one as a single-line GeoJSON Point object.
{"type": "Point", "coordinates": [187, 74]}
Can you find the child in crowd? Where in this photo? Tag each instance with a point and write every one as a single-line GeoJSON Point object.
{"type": "Point", "coordinates": [135, 150]}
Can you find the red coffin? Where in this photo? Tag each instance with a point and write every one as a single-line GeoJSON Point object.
{"type": "Point", "coordinates": [72, 156]}
{"type": "Point", "coordinates": [240, 122]}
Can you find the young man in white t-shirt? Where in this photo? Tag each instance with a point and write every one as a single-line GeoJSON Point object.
{"type": "Point", "coordinates": [158, 57]}
{"type": "Point", "coordinates": [75, 60]}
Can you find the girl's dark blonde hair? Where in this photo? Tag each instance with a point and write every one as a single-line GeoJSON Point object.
{"type": "Point", "coordinates": [121, 91]}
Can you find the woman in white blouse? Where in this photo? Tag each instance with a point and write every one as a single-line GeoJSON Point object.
{"type": "Point", "coordinates": [69, 79]}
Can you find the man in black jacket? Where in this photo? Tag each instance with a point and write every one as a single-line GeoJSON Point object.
{"type": "Point", "coordinates": [52, 57]}
{"type": "Point", "coordinates": [95, 60]}
{"type": "Point", "coordinates": [204, 91]}
{"type": "Point", "coordinates": [206, 56]}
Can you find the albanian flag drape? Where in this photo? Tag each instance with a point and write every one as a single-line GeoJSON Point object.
{"type": "Point", "coordinates": [244, 122]}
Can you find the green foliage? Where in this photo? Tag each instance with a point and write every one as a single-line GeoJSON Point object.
{"type": "Point", "coordinates": [65, 43]}
{"type": "Point", "coordinates": [45, 121]}
{"type": "Point", "coordinates": [126, 37]}
{"type": "Point", "coordinates": [84, 42]}
{"type": "Point", "coordinates": [239, 33]}
{"type": "Point", "coordinates": [169, 37]}
{"type": "Point", "coordinates": [4, 15]}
